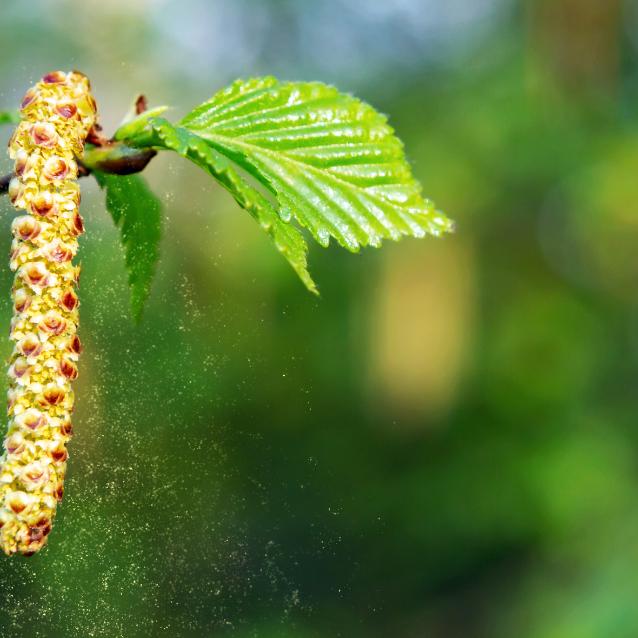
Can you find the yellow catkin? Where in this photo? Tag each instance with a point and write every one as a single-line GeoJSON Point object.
{"type": "Point", "coordinates": [57, 115]}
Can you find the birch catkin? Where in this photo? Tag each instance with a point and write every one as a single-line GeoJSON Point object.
{"type": "Point", "coordinates": [57, 115]}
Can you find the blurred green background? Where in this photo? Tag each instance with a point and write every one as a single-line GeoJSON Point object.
{"type": "Point", "coordinates": [444, 445]}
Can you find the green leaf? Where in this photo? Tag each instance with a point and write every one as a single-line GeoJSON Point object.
{"type": "Point", "coordinates": [133, 123]}
{"type": "Point", "coordinates": [331, 161]}
{"type": "Point", "coordinates": [287, 239]}
{"type": "Point", "coordinates": [9, 117]}
{"type": "Point", "coordinates": [137, 213]}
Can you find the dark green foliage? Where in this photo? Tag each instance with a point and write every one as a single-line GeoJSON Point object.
{"type": "Point", "coordinates": [137, 214]}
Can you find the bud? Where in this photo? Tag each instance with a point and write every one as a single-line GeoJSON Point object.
{"type": "Point", "coordinates": [74, 346]}
{"type": "Point", "coordinates": [18, 502]}
{"type": "Point", "coordinates": [66, 429]}
{"type": "Point", "coordinates": [66, 109]}
{"type": "Point", "coordinates": [58, 251]}
{"type": "Point", "coordinates": [22, 158]}
{"type": "Point", "coordinates": [44, 134]}
{"type": "Point", "coordinates": [30, 345]}
{"type": "Point", "coordinates": [29, 98]}
{"type": "Point", "coordinates": [53, 323]}
{"type": "Point", "coordinates": [34, 475]}
{"type": "Point", "coordinates": [68, 369]}
{"type": "Point", "coordinates": [56, 77]}
{"type": "Point", "coordinates": [15, 190]}
{"type": "Point", "coordinates": [69, 300]}
{"type": "Point", "coordinates": [21, 300]}
{"type": "Point", "coordinates": [30, 420]}
{"type": "Point", "coordinates": [26, 227]}
{"type": "Point", "coordinates": [53, 394]}
{"type": "Point", "coordinates": [35, 274]}
{"type": "Point", "coordinates": [59, 453]}
{"type": "Point", "coordinates": [42, 204]}
{"type": "Point", "coordinates": [55, 168]}
{"type": "Point", "coordinates": [19, 368]}
{"type": "Point", "coordinates": [78, 224]}
{"type": "Point", "coordinates": [15, 444]}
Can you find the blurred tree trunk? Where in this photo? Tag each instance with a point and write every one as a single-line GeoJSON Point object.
{"type": "Point", "coordinates": [578, 43]}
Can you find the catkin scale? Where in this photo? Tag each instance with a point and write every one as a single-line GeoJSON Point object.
{"type": "Point", "coordinates": [57, 115]}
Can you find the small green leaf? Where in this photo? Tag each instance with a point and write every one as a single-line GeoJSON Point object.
{"type": "Point", "coordinates": [133, 124]}
{"type": "Point", "coordinates": [287, 239]}
{"type": "Point", "coordinates": [9, 117]}
{"type": "Point", "coordinates": [137, 213]}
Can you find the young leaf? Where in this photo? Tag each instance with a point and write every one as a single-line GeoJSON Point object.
{"type": "Point", "coordinates": [9, 117]}
{"type": "Point", "coordinates": [137, 213]}
{"type": "Point", "coordinates": [331, 160]}
{"type": "Point", "coordinates": [287, 239]}
{"type": "Point", "coordinates": [134, 123]}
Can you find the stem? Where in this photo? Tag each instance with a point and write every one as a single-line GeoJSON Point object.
{"type": "Point", "coordinates": [116, 158]}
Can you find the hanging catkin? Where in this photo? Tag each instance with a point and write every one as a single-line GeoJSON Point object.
{"type": "Point", "coordinates": [57, 115]}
